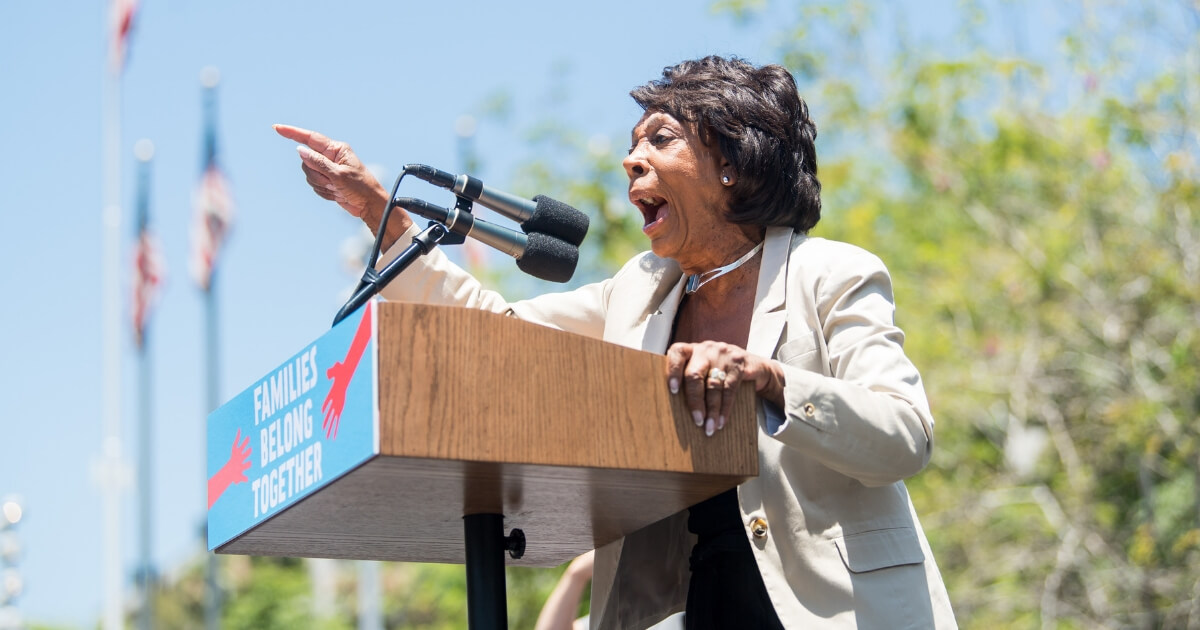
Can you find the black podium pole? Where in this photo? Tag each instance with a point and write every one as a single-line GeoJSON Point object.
{"type": "Point", "coordinates": [487, 605]}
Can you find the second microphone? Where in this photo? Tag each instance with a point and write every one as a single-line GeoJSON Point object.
{"type": "Point", "coordinates": [539, 255]}
{"type": "Point", "coordinates": [541, 214]}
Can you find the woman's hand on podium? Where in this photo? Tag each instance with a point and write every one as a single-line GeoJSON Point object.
{"type": "Point", "coordinates": [709, 373]}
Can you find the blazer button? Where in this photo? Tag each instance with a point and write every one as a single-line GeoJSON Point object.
{"type": "Point", "coordinates": [758, 527]}
{"type": "Point", "coordinates": [810, 409]}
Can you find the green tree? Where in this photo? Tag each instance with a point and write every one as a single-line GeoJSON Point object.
{"type": "Point", "coordinates": [264, 593]}
{"type": "Point", "coordinates": [1041, 219]}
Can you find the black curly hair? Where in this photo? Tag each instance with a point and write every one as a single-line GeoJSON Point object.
{"type": "Point", "coordinates": [761, 126]}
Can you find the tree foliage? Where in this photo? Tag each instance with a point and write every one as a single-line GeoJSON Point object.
{"type": "Point", "coordinates": [261, 593]}
{"type": "Point", "coordinates": [1042, 223]}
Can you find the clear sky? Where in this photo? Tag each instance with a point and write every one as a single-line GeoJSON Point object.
{"type": "Point", "coordinates": [390, 78]}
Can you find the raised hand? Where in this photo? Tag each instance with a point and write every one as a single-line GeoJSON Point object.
{"type": "Point", "coordinates": [234, 470]}
{"type": "Point", "coordinates": [335, 173]}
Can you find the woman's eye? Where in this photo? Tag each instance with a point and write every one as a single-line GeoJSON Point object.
{"type": "Point", "coordinates": [659, 138]}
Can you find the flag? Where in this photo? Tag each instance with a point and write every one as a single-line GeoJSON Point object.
{"type": "Point", "coordinates": [213, 214]}
{"type": "Point", "coordinates": [121, 18]}
{"type": "Point", "coordinates": [148, 274]}
{"type": "Point", "coordinates": [149, 270]}
{"type": "Point", "coordinates": [214, 210]}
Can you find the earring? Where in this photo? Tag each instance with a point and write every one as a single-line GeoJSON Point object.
{"type": "Point", "coordinates": [725, 180]}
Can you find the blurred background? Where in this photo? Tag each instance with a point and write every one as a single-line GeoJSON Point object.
{"type": "Point", "coordinates": [1028, 171]}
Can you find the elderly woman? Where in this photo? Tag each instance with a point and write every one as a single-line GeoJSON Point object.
{"type": "Point", "coordinates": [723, 169]}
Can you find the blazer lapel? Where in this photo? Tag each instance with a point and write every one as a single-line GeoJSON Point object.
{"type": "Point", "coordinates": [649, 326]}
{"type": "Point", "coordinates": [658, 325]}
{"type": "Point", "coordinates": [766, 324]}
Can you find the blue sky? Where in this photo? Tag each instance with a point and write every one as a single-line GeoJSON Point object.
{"type": "Point", "coordinates": [391, 78]}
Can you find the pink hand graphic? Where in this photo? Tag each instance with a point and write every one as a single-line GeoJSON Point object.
{"type": "Point", "coordinates": [335, 400]}
{"type": "Point", "coordinates": [342, 372]}
{"type": "Point", "coordinates": [234, 470]}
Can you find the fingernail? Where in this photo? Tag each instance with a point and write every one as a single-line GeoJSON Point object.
{"type": "Point", "coordinates": [331, 187]}
{"type": "Point", "coordinates": [305, 151]}
{"type": "Point", "coordinates": [708, 427]}
{"type": "Point", "coordinates": [720, 422]}
{"type": "Point", "coordinates": [698, 417]}
{"type": "Point", "coordinates": [673, 384]}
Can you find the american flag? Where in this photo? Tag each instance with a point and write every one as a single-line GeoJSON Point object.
{"type": "Point", "coordinates": [121, 17]}
{"type": "Point", "coordinates": [214, 212]}
{"type": "Point", "coordinates": [149, 270]}
{"type": "Point", "coordinates": [148, 274]}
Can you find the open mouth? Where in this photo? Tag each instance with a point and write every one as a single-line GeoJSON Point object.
{"type": "Point", "coordinates": [653, 210]}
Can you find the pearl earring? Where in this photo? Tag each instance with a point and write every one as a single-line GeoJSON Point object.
{"type": "Point", "coordinates": [725, 180]}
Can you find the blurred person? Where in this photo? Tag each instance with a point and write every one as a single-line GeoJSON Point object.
{"type": "Point", "coordinates": [558, 613]}
{"type": "Point", "coordinates": [722, 166]}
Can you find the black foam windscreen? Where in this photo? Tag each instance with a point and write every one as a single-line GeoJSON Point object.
{"type": "Point", "coordinates": [549, 258]}
{"type": "Point", "coordinates": [557, 219]}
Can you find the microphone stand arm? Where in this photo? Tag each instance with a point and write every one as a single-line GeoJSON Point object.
{"type": "Point", "coordinates": [373, 281]}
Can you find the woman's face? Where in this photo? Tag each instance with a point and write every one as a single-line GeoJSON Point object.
{"type": "Point", "coordinates": [676, 183]}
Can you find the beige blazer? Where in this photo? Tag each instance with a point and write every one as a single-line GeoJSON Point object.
{"type": "Point", "coordinates": [828, 518]}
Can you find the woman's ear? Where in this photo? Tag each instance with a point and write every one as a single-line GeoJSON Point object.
{"type": "Point", "coordinates": [728, 173]}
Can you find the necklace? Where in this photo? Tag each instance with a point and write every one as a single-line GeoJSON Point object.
{"type": "Point", "coordinates": [697, 280]}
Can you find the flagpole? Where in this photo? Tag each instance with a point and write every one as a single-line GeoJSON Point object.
{"type": "Point", "coordinates": [144, 151]}
{"type": "Point", "coordinates": [209, 79]}
{"type": "Point", "coordinates": [112, 466]}
{"type": "Point", "coordinates": [212, 598]}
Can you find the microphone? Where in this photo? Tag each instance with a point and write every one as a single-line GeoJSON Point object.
{"type": "Point", "coordinates": [539, 255]}
{"type": "Point", "coordinates": [542, 214]}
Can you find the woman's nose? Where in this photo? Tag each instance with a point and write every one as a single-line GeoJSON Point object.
{"type": "Point", "coordinates": [634, 164]}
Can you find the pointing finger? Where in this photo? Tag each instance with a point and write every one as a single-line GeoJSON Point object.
{"type": "Point", "coordinates": [317, 141]}
{"type": "Point", "coordinates": [292, 133]}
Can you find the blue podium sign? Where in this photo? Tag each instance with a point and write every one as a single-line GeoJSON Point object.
{"type": "Point", "coordinates": [297, 429]}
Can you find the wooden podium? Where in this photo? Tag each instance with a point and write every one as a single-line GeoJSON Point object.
{"type": "Point", "coordinates": [574, 441]}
